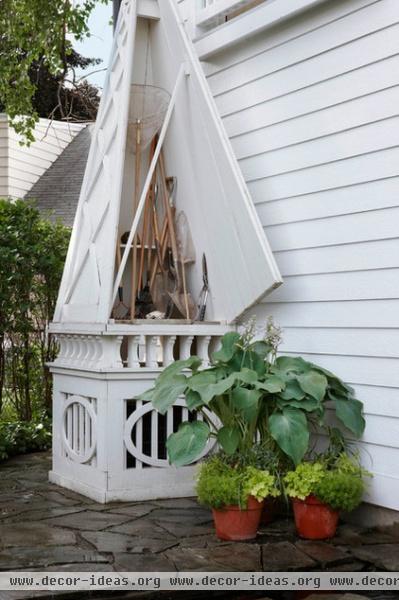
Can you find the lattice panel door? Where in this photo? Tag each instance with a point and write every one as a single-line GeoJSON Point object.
{"type": "Point", "coordinates": [86, 289]}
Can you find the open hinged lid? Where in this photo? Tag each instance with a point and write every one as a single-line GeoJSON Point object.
{"type": "Point", "coordinates": [210, 187]}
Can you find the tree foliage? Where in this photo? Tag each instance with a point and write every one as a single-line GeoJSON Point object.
{"type": "Point", "coordinates": [73, 99]}
{"type": "Point", "coordinates": [32, 254]}
{"type": "Point", "coordinates": [33, 32]}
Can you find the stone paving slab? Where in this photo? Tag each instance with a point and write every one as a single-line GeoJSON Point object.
{"type": "Point", "coordinates": [43, 526]}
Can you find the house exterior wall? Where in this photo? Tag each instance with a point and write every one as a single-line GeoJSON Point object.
{"type": "Point", "coordinates": [22, 166]}
{"type": "Point", "coordinates": [311, 108]}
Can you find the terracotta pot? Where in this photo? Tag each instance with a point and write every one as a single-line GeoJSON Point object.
{"type": "Point", "coordinates": [234, 524]}
{"type": "Point", "coordinates": [313, 519]}
{"type": "Point", "coordinates": [270, 510]}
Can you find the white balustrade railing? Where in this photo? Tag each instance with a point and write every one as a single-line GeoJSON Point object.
{"type": "Point", "coordinates": [138, 347]}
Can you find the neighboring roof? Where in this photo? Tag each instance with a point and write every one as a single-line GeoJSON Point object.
{"type": "Point", "coordinates": [57, 191]}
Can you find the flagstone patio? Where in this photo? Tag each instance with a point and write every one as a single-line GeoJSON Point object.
{"type": "Point", "coordinates": [45, 527]}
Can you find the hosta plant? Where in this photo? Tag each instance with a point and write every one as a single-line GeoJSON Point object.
{"type": "Point", "coordinates": [245, 393]}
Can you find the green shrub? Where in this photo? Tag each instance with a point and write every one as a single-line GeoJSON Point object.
{"type": "Point", "coordinates": [338, 482]}
{"type": "Point", "coordinates": [220, 484]}
{"type": "Point", "coordinates": [32, 254]}
{"type": "Point", "coordinates": [19, 437]}
{"type": "Point", "coordinates": [254, 395]}
{"type": "Point", "coordinates": [341, 491]}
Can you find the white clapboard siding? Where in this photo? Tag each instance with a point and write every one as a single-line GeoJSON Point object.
{"type": "Point", "coordinates": [342, 341]}
{"type": "Point", "coordinates": [275, 109]}
{"type": "Point", "coordinates": [312, 110]}
{"type": "Point", "coordinates": [382, 313]}
{"type": "Point", "coordinates": [325, 41]}
{"type": "Point", "coordinates": [367, 50]}
{"type": "Point", "coordinates": [340, 146]}
{"type": "Point", "coordinates": [295, 29]}
{"type": "Point", "coordinates": [26, 164]}
{"type": "Point", "coordinates": [359, 197]}
{"type": "Point", "coordinates": [360, 256]}
{"type": "Point", "coordinates": [351, 171]}
{"type": "Point", "coordinates": [382, 401]}
{"type": "Point", "coordinates": [342, 229]}
{"type": "Point", "coordinates": [355, 285]}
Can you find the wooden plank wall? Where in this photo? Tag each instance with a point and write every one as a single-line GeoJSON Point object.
{"type": "Point", "coordinates": [312, 110]}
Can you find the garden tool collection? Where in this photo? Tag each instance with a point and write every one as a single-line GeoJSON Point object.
{"type": "Point", "coordinates": [162, 250]}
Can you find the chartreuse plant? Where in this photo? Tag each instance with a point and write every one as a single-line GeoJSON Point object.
{"type": "Point", "coordinates": [220, 484]}
{"type": "Point", "coordinates": [246, 392]}
{"type": "Point", "coordinates": [303, 481]}
{"type": "Point", "coordinates": [339, 483]}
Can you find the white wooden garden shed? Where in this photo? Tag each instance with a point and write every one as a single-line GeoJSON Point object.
{"type": "Point", "coordinates": [285, 128]}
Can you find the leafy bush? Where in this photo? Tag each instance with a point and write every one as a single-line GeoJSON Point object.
{"type": "Point", "coordinates": [338, 483]}
{"type": "Point", "coordinates": [220, 485]}
{"type": "Point", "coordinates": [20, 437]}
{"type": "Point", "coordinates": [252, 393]}
{"type": "Point", "coordinates": [342, 491]}
{"type": "Point", "coordinates": [32, 254]}
{"type": "Point", "coordinates": [303, 481]}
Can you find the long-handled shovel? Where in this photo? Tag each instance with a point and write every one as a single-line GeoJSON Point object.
{"type": "Point", "coordinates": [186, 254]}
{"type": "Point", "coordinates": [120, 308]}
{"type": "Point", "coordinates": [137, 174]}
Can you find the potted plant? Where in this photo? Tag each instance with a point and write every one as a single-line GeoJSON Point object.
{"type": "Point", "coordinates": [252, 393]}
{"type": "Point", "coordinates": [235, 493]}
{"type": "Point", "coordinates": [320, 490]}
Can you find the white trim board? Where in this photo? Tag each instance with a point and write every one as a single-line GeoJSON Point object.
{"type": "Point", "coordinates": [250, 23]}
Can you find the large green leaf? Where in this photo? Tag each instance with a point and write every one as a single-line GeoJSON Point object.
{"type": "Point", "coordinates": [335, 382]}
{"type": "Point", "coordinates": [193, 400]}
{"type": "Point", "coordinates": [256, 362]}
{"type": "Point", "coordinates": [292, 391]}
{"type": "Point", "coordinates": [314, 384]}
{"type": "Point", "coordinates": [307, 404]}
{"type": "Point", "coordinates": [229, 438]}
{"type": "Point", "coordinates": [246, 401]}
{"type": "Point", "coordinates": [200, 381]}
{"type": "Point", "coordinates": [273, 384]}
{"type": "Point", "coordinates": [205, 385]}
{"type": "Point", "coordinates": [290, 430]}
{"type": "Point", "coordinates": [292, 363]}
{"type": "Point", "coordinates": [165, 394]}
{"type": "Point", "coordinates": [226, 352]}
{"type": "Point", "coordinates": [261, 348]}
{"type": "Point", "coordinates": [177, 367]}
{"type": "Point", "coordinates": [349, 412]}
{"type": "Point", "coordinates": [187, 443]}
{"type": "Point", "coordinates": [246, 375]}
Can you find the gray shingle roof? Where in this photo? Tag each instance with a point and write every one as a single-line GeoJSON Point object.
{"type": "Point", "coordinates": [57, 191]}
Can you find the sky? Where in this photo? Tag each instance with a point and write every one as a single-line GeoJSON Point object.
{"type": "Point", "coordinates": [98, 45]}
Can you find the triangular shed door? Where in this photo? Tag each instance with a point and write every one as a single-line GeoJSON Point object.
{"type": "Point", "coordinates": [210, 187]}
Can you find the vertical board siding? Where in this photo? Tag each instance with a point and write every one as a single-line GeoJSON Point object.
{"type": "Point", "coordinates": [312, 111]}
{"type": "Point", "coordinates": [21, 166]}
